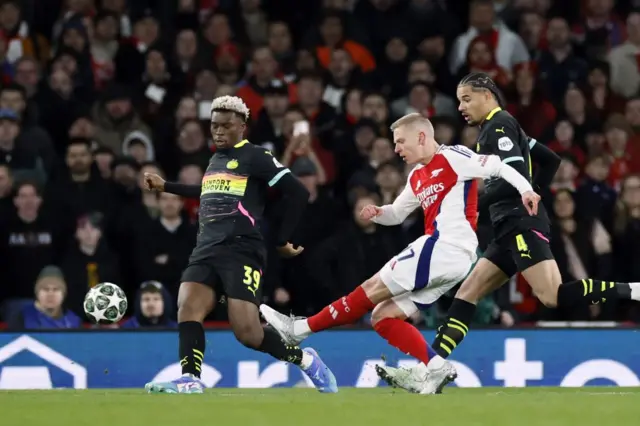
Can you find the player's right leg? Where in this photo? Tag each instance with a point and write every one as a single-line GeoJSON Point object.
{"type": "Point", "coordinates": [196, 299]}
{"type": "Point", "coordinates": [343, 311]}
{"type": "Point", "coordinates": [489, 274]}
{"type": "Point", "coordinates": [398, 276]}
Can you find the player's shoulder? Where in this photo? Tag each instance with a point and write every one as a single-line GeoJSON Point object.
{"type": "Point", "coordinates": [501, 121]}
{"type": "Point", "coordinates": [261, 156]}
{"type": "Point", "coordinates": [454, 151]}
{"type": "Point", "coordinates": [252, 150]}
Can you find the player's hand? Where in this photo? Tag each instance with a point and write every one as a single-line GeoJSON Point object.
{"type": "Point", "coordinates": [153, 182]}
{"type": "Point", "coordinates": [507, 319]}
{"type": "Point", "coordinates": [289, 250]}
{"type": "Point", "coordinates": [370, 211]}
{"type": "Point", "coordinates": [530, 200]}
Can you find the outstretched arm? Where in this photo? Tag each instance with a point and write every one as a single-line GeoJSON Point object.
{"type": "Point", "coordinates": [397, 212]}
{"type": "Point", "coordinates": [153, 182]}
{"type": "Point", "coordinates": [469, 165]}
{"type": "Point", "coordinates": [187, 191]}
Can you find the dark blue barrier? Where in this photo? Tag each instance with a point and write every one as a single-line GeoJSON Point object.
{"type": "Point", "coordinates": [486, 358]}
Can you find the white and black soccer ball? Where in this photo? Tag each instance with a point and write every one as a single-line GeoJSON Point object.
{"type": "Point", "coordinates": [105, 303]}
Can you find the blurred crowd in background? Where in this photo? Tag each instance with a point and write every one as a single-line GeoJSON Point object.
{"type": "Point", "coordinates": [96, 92]}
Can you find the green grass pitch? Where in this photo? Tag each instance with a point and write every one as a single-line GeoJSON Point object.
{"type": "Point", "coordinates": [305, 407]}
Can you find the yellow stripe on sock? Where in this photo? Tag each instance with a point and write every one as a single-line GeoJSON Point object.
{"type": "Point", "coordinates": [445, 347]}
{"type": "Point", "coordinates": [612, 284]}
{"type": "Point", "coordinates": [195, 351]}
{"type": "Point", "coordinates": [450, 340]}
{"type": "Point", "coordinates": [590, 286]}
{"type": "Point", "coordinates": [198, 357]}
{"type": "Point", "coordinates": [457, 327]}
{"type": "Point", "coordinates": [198, 367]}
{"type": "Point", "coordinates": [584, 284]}
{"type": "Point", "coordinates": [460, 323]}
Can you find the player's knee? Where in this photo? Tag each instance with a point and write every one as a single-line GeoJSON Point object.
{"type": "Point", "coordinates": [548, 296]}
{"type": "Point", "coordinates": [382, 311]}
{"type": "Point", "coordinates": [195, 301]}
{"type": "Point", "coordinates": [250, 335]}
{"type": "Point", "coordinates": [377, 315]}
{"type": "Point", "coordinates": [376, 290]}
{"type": "Point", "coordinates": [468, 291]}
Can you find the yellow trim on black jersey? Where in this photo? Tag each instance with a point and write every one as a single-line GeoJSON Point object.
{"type": "Point", "coordinates": [492, 113]}
{"type": "Point", "coordinates": [241, 143]}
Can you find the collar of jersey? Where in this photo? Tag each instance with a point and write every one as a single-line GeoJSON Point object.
{"type": "Point", "coordinates": [241, 143]}
{"type": "Point", "coordinates": [492, 113]}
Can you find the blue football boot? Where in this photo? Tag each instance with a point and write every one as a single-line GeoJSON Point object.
{"type": "Point", "coordinates": [187, 383]}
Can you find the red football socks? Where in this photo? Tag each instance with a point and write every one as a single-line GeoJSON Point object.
{"type": "Point", "coordinates": [343, 311]}
{"type": "Point", "coordinates": [405, 337]}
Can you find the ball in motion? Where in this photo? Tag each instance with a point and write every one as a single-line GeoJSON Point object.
{"type": "Point", "coordinates": [105, 303]}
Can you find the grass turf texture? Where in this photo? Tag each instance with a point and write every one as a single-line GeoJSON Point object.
{"type": "Point", "coordinates": [306, 407]}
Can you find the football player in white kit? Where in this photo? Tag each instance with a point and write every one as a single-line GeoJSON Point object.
{"type": "Point", "coordinates": [443, 184]}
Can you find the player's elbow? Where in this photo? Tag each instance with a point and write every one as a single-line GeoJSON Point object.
{"type": "Point", "coordinates": [293, 189]}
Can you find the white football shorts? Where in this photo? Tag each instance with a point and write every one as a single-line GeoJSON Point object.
{"type": "Point", "coordinates": [424, 271]}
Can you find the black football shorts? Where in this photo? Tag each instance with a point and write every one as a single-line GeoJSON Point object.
{"type": "Point", "coordinates": [233, 269]}
{"type": "Point", "coordinates": [519, 250]}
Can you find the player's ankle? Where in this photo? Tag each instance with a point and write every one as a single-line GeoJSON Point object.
{"type": "Point", "coordinates": [307, 360]}
{"type": "Point", "coordinates": [435, 363]}
{"type": "Point", "coordinates": [301, 328]}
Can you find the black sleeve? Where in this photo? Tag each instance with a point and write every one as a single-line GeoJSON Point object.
{"type": "Point", "coordinates": [187, 191]}
{"type": "Point", "coordinates": [503, 143]}
{"type": "Point", "coordinates": [547, 161]}
{"type": "Point", "coordinates": [266, 167]}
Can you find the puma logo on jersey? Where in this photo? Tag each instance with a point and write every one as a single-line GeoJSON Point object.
{"type": "Point", "coordinates": [500, 130]}
{"type": "Point", "coordinates": [436, 172]}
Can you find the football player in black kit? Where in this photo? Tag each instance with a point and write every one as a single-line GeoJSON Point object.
{"type": "Point", "coordinates": [230, 255]}
{"type": "Point", "coordinates": [521, 241]}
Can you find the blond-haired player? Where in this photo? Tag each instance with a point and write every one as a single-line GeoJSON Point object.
{"type": "Point", "coordinates": [442, 184]}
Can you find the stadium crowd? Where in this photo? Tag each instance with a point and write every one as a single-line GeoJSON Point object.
{"type": "Point", "coordinates": [96, 92]}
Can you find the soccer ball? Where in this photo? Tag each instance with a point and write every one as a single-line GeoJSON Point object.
{"type": "Point", "coordinates": [105, 303]}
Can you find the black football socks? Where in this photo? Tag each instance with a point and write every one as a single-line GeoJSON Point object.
{"type": "Point", "coordinates": [192, 344]}
{"type": "Point", "coordinates": [455, 328]}
{"type": "Point", "coordinates": [273, 345]}
{"type": "Point", "coordinates": [593, 292]}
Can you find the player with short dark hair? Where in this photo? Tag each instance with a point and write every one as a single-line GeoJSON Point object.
{"type": "Point", "coordinates": [230, 256]}
{"type": "Point", "coordinates": [521, 240]}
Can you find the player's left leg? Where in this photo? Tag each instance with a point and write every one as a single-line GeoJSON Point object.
{"type": "Point", "coordinates": [389, 321]}
{"type": "Point", "coordinates": [240, 270]}
{"type": "Point", "coordinates": [244, 318]}
{"type": "Point", "coordinates": [447, 266]}
{"type": "Point", "coordinates": [533, 256]}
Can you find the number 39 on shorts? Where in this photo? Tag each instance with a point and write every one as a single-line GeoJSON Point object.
{"type": "Point", "coordinates": [252, 279]}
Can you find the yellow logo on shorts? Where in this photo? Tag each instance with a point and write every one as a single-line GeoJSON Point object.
{"type": "Point", "coordinates": [233, 164]}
